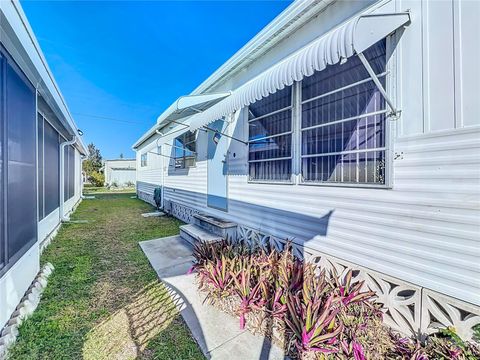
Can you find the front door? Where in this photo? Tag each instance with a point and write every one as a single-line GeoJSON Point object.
{"type": "Point", "coordinates": [217, 166]}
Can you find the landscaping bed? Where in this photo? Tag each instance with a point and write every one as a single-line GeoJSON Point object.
{"type": "Point", "coordinates": [307, 312]}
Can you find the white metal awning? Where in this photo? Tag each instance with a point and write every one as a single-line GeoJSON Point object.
{"type": "Point", "coordinates": [338, 45]}
{"type": "Point", "coordinates": [189, 105]}
{"type": "Point", "coordinates": [175, 120]}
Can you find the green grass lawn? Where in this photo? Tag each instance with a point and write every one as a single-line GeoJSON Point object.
{"type": "Point", "coordinates": [103, 301]}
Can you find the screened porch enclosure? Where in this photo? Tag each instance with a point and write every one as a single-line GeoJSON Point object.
{"type": "Point", "coordinates": [340, 126]}
{"type": "Point", "coordinates": [18, 217]}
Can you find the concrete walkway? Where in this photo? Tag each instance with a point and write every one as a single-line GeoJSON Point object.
{"type": "Point", "coordinates": [218, 334]}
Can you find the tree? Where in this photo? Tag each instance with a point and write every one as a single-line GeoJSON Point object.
{"type": "Point", "coordinates": [121, 155]}
{"type": "Point", "coordinates": [94, 160]}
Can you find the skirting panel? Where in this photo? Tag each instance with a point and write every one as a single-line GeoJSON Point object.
{"type": "Point", "coordinates": [408, 308]}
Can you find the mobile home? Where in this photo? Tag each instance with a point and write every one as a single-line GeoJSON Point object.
{"type": "Point", "coordinates": [119, 172]}
{"type": "Point", "coordinates": [352, 128]}
{"type": "Point", "coordinates": [41, 155]}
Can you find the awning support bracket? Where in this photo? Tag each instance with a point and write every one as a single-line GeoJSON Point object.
{"type": "Point", "coordinates": [206, 128]}
{"type": "Point", "coordinates": [395, 113]}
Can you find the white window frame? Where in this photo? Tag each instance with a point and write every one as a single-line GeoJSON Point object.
{"type": "Point", "coordinates": [184, 158]}
{"type": "Point", "coordinates": [144, 159]}
{"type": "Point", "coordinates": [296, 107]}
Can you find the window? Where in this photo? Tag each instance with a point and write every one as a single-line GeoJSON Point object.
{"type": "Point", "coordinates": [340, 131]}
{"type": "Point", "coordinates": [143, 160]}
{"type": "Point", "coordinates": [51, 171]}
{"type": "Point", "coordinates": [343, 123]}
{"type": "Point", "coordinates": [18, 205]}
{"type": "Point", "coordinates": [184, 149]}
{"type": "Point", "coordinates": [48, 168]}
{"type": "Point", "coordinates": [270, 137]}
{"type": "Point", "coordinates": [69, 173]}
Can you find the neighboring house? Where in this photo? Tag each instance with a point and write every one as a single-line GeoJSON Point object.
{"type": "Point", "coordinates": [121, 172]}
{"type": "Point", "coordinates": [40, 159]}
{"type": "Point", "coordinates": [353, 128]}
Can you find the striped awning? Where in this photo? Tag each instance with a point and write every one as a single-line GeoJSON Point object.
{"type": "Point", "coordinates": [336, 46]}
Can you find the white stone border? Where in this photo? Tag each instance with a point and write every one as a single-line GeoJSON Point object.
{"type": "Point", "coordinates": [27, 306]}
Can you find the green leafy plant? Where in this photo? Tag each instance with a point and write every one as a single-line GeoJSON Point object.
{"type": "Point", "coordinates": [96, 178]}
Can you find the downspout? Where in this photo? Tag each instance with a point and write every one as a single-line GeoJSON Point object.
{"type": "Point", "coordinates": [63, 218]}
{"type": "Point", "coordinates": [82, 159]}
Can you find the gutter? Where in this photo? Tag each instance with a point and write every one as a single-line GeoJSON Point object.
{"type": "Point", "coordinates": [63, 218]}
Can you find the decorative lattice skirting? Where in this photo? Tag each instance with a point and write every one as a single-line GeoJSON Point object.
{"type": "Point", "coordinates": [142, 195]}
{"type": "Point", "coordinates": [409, 309]}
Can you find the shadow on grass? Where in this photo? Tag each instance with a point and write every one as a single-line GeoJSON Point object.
{"type": "Point", "coordinates": [142, 329]}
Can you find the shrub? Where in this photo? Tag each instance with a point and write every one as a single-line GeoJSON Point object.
{"type": "Point", "coordinates": [323, 316]}
{"type": "Point", "coordinates": [97, 178]}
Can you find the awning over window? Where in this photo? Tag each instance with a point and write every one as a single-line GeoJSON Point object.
{"type": "Point", "coordinates": [338, 45]}
{"type": "Point", "coordinates": [189, 105]}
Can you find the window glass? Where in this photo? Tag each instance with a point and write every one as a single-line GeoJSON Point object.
{"type": "Point", "coordinates": [143, 160]}
{"type": "Point", "coordinates": [184, 150]}
{"type": "Point", "coordinates": [343, 122]}
{"type": "Point", "coordinates": [270, 137]}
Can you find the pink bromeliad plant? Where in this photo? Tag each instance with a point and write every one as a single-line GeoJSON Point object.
{"type": "Point", "coordinates": [216, 276]}
{"type": "Point", "coordinates": [314, 324]}
{"type": "Point", "coordinates": [247, 287]}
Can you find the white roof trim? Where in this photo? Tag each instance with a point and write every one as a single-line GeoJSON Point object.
{"type": "Point", "coordinates": [335, 46]}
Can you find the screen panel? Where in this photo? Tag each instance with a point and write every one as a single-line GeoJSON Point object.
{"type": "Point", "coordinates": [52, 168]}
{"type": "Point", "coordinates": [71, 172]}
{"type": "Point", "coordinates": [40, 167]}
{"type": "Point", "coordinates": [21, 175]}
{"type": "Point", "coordinates": [3, 254]}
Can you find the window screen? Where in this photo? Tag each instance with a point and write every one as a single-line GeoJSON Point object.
{"type": "Point", "coordinates": [71, 172]}
{"type": "Point", "coordinates": [184, 150]}
{"type": "Point", "coordinates": [51, 168]}
{"type": "Point", "coordinates": [343, 122]}
{"type": "Point", "coordinates": [21, 211]}
{"type": "Point", "coordinates": [41, 209]}
{"type": "Point", "coordinates": [270, 137]}
{"type": "Point", "coordinates": [143, 160]}
{"type": "Point", "coordinates": [3, 254]}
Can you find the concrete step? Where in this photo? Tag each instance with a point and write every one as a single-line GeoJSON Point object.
{"type": "Point", "coordinates": [212, 224]}
{"type": "Point", "coordinates": [193, 233]}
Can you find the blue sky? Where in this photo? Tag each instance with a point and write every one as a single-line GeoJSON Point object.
{"type": "Point", "coordinates": [120, 64]}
